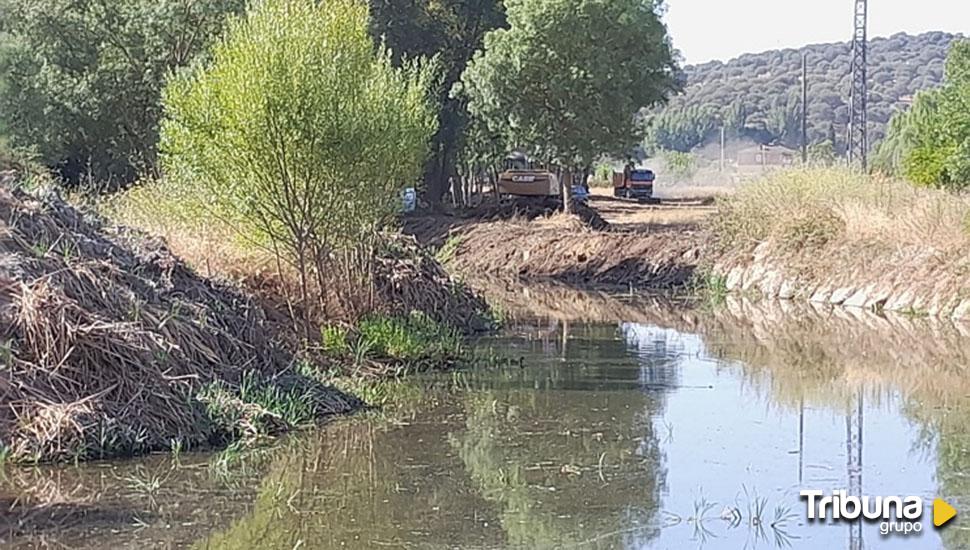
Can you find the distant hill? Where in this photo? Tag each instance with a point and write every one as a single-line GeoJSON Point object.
{"type": "Point", "coordinates": [758, 96]}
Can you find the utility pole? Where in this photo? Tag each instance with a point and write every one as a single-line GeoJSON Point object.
{"type": "Point", "coordinates": [805, 108]}
{"type": "Point", "coordinates": [859, 95]}
{"type": "Point", "coordinates": [722, 148]}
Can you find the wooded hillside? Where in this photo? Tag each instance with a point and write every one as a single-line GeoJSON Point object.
{"type": "Point", "coordinates": [758, 96]}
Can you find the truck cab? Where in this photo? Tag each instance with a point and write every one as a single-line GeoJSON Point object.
{"type": "Point", "coordinates": [634, 183]}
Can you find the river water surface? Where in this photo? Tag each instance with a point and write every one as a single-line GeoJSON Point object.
{"type": "Point", "coordinates": [608, 423]}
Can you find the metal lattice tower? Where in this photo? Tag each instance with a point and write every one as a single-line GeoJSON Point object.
{"type": "Point", "coordinates": [854, 428]}
{"type": "Point", "coordinates": [859, 95]}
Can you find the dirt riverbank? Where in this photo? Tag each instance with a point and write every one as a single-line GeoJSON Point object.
{"type": "Point", "coordinates": [611, 242]}
{"type": "Point", "coordinates": [111, 345]}
{"type": "Point", "coordinates": [673, 245]}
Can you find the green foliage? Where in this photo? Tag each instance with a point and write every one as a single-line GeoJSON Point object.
{"type": "Point", "coordinates": [567, 77]}
{"type": "Point", "coordinates": [604, 172]}
{"type": "Point", "coordinates": [448, 250]}
{"type": "Point", "coordinates": [712, 288]}
{"type": "Point", "coordinates": [682, 166]}
{"type": "Point", "coordinates": [83, 79]}
{"type": "Point", "coordinates": [257, 407]}
{"type": "Point", "coordinates": [757, 96]}
{"type": "Point", "coordinates": [414, 338]}
{"type": "Point", "coordinates": [452, 30]}
{"type": "Point", "coordinates": [299, 130]}
{"type": "Point", "coordinates": [681, 130]}
{"type": "Point", "coordinates": [930, 143]}
{"type": "Point", "coordinates": [822, 154]}
{"type": "Point", "coordinates": [334, 340]}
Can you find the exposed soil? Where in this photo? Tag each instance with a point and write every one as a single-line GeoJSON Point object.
{"type": "Point", "coordinates": [434, 228]}
{"type": "Point", "coordinates": [610, 242]}
{"type": "Point", "coordinates": [680, 212]}
{"type": "Point", "coordinates": [662, 245]}
{"type": "Point", "coordinates": [563, 250]}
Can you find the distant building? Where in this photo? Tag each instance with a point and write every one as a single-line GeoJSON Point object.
{"type": "Point", "coordinates": [755, 160]}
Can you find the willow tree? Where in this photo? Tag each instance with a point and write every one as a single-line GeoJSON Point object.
{"type": "Point", "coordinates": [568, 77]}
{"type": "Point", "coordinates": [930, 143]}
{"type": "Point", "coordinates": [300, 131]}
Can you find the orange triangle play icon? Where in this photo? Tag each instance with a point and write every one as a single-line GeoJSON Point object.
{"type": "Point", "coordinates": [942, 512]}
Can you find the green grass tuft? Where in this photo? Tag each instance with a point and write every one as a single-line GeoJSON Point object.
{"type": "Point", "coordinates": [414, 338]}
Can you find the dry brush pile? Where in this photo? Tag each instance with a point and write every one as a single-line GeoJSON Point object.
{"type": "Point", "coordinates": [107, 340]}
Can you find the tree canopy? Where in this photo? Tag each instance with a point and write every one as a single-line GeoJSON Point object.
{"type": "Point", "coordinates": [451, 31]}
{"type": "Point", "coordinates": [567, 77]}
{"type": "Point", "coordinates": [300, 131]}
{"type": "Point", "coordinates": [757, 96]}
{"type": "Point", "coordinates": [84, 79]}
{"type": "Point", "coordinates": [930, 144]}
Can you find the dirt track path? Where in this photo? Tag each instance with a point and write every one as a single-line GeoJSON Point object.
{"type": "Point", "coordinates": [672, 213]}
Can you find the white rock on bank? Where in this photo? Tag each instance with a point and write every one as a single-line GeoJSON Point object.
{"type": "Point", "coordinates": [900, 302]}
{"type": "Point", "coordinates": [787, 290]}
{"type": "Point", "coordinates": [840, 295]}
{"type": "Point", "coordinates": [820, 296]}
{"type": "Point", "coordinates": [735, 279]}
{"type": "Point", "coordinates": [962, 311]}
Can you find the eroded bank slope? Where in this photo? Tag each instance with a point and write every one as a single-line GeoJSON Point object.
{"type": "Point", "coordinates": [820, 236]}
{"type": "Point", "coordinates": [111, 345]}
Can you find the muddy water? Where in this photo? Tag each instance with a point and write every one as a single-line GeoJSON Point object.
{"type": "Point", "coordinates": [610, 423]}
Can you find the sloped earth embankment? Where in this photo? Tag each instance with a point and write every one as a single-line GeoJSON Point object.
{"type": "Point", "coordinates": [108, 340]}
{"type": "Point", "coordinates": [917, 280]}
{"type": "Point", "coordinates": [568, 251]}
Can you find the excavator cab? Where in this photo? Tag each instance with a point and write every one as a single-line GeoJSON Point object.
{"type": "Point", "coordinates": [517, 161]}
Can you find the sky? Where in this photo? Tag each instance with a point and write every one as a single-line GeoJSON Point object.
{"type": "Point", "coordinates": [704, 30]}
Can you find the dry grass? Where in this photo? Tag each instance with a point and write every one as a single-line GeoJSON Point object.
{"type": "Point", "coordinates": [107, 338]}
{"type": "Point", "coordinates": [205, 241]}
{"type": "Point", "coordinates": [808, 206]}
{"type": "Point", "coordinates": [400, 278]}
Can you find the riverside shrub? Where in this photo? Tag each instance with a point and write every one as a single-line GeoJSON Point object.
{"type": "Point", "coordinates": [300, 132]}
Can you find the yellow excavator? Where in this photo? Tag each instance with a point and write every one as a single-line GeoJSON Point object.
{"type": "Point", "coordinates": [521, 177]}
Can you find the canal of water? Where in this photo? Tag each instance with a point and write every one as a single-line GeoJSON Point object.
{"type": "Point", "coordinates": [610, 423]}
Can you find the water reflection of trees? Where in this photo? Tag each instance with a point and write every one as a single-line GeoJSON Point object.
{"type": "Point", "coordinates": [799, 356]}
{"type": "Point", "coordinates": [584, 474]}
{"type": "Point", "coordinates": [574, 464]}
{"type": "Point", "coordinates": [365, 484]}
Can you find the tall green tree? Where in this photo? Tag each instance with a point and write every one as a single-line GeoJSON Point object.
{"type": "Point", "coordinates": [300, 132]}
{"type": "Point", "coordinates": [84, 78]}
{"type": "Point", "coordinates": [930, 143]}
{"type": "Point", "coordinates": [452, 31]}
{"type": "Point", "coordinates": [568, 77]}
{"type": "Point", "coordinates": [680, 131]}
